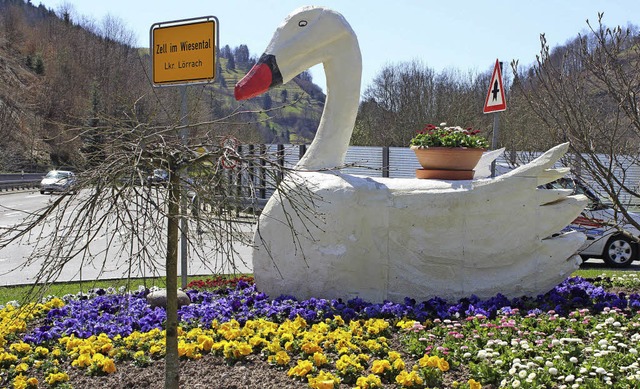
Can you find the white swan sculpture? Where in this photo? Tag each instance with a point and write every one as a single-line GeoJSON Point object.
{"type": "Point", "coordinates": [386, 239]}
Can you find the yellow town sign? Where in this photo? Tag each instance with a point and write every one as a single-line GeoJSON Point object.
{"type": "Point", "coordinates": [183, 51]}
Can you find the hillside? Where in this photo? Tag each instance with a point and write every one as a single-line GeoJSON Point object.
{"type": "Point", "coordinates": [62, 80]}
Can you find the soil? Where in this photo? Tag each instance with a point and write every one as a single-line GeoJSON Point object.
{"type": "Point", "coordinates": [212, 372]}
{"type": "Point", "coordinates": [205, 373]}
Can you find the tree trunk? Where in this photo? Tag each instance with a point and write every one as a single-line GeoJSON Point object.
{"type": "Point", "coordinates": [172, 366]}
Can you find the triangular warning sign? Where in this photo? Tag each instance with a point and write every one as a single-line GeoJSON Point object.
{"type": "Point", "coordinates": [495, 100]}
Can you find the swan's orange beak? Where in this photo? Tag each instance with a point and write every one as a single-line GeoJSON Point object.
{"type": "Point", "coordinates": [262, 76]}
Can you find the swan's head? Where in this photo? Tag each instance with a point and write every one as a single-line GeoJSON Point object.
{"type": "Point", "coordinates": [306, 38]}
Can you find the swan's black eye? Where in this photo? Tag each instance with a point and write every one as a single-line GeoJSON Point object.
{"type": "Point", "coordinates": [302, 23]}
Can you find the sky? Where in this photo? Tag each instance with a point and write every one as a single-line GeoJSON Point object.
{"type": "Point", "coordinates": [467, 35]}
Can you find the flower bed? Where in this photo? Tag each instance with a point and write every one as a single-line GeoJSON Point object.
{"type": "Point", "coordinates": [577, 335]}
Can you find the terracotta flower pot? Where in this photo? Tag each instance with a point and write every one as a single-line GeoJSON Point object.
{"type": "Point", "coordinates": [447, 163]}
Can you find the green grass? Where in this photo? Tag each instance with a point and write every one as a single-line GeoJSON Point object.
{"type": "Point", "coordinates": [593, 273]}
{"type": "Point", "coordinates": [29, 293]}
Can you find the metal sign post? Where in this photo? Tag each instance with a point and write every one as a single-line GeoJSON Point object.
{"type": "Point", "coordinates": [184, 223]}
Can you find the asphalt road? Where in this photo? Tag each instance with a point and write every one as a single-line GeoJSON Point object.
{"type": "Point", "coordinates": [16, 266]}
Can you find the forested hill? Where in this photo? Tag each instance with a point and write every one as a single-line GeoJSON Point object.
{"type": "Point", "coordinates": [60, 77]}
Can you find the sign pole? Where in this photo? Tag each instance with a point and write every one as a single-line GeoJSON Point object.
{"type": "Point", "coordinates": [494, 140]}
{"type": "Point", "coordinates": [184, 223]}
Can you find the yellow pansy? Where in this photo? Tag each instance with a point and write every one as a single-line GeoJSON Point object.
{"type": "Point", "coordinates": [301, 369]}
{"type": "Point", "coordinates": [407, 380]}
{"type": "Point", "coordinates": [380, 366]}
{"type": "Point", "coordinates": [319, 359]}
{"type": "Point", "coordinates": [369, 382]}
{"type": "Point", "coordinates": [108, 366]}
{"type": "Point", "coordinates": [54, 378]}
{"type": "Point", "coordinates": [473, 384]}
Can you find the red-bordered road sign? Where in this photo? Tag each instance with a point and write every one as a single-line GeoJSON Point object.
{"type": "Point", "coordinates": [495, 101]}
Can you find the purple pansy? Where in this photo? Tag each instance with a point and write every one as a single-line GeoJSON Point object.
{"type": "Point", "coordinates": [121, 314]}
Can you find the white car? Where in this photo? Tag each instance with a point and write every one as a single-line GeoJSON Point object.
{"type": "Point", "coordinates": [609, 236]}
{"type": "Point", "coordinates": [61, 181]}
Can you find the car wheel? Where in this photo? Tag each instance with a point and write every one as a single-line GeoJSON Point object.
{"type": "Point", "coordinates": [619, 252]}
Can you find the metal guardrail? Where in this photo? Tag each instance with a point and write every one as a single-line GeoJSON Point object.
{"type": "Point", "coordinates": [12, 185]}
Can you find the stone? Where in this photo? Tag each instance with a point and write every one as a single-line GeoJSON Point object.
{"type": "Point", "coordinates": [158, 298]}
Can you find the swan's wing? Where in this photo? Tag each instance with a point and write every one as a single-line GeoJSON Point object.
{"type": "Point", "coordinates": [390, 238]}
{"type": "Point", "coordinates": [483, 168]}
{"type": "Point", "coordinates": [487, 236]}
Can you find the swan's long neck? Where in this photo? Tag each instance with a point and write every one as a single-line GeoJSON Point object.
{"type": "Point", "coordinates": [343, 72]}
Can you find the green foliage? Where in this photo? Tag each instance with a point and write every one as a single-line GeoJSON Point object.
{"type": "Point", "coordinates": [434, 136]}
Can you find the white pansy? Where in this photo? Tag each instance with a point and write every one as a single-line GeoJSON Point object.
{"type": "Point", "coordinates": [522, 374]}
{"type": "Point", "coordinates": [553, 371]}
{"type": "Point", "coordinates": [573, 360]}
{"type": "Point", "coordinates": [570, 378]}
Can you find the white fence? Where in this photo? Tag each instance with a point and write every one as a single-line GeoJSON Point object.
{"type": "Point", "coordinates": [400, 162]}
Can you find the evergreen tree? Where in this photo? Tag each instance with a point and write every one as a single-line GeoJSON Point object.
{"type": "Point", "coordinates": [226, 52]}
{"type": "Point", "coordinates": [241, 54]}
{"type": "Point", "coordinates": [231, 63]}
{"type": "Point", "coordinates": [38, 66]}
{"type": "Point", "coordinates": [267, 102]}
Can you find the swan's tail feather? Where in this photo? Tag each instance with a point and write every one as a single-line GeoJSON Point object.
{"type": "Point", "coordinates": [547, 196]}
{"type": "Point", "coordinates": [556, 215]}
{"type": "Point", "coordinates": [542, 167]}
{"type": "Point", "coordinates": [550, 175]}
{"type": "Point", "coordinates": [483, 168]}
